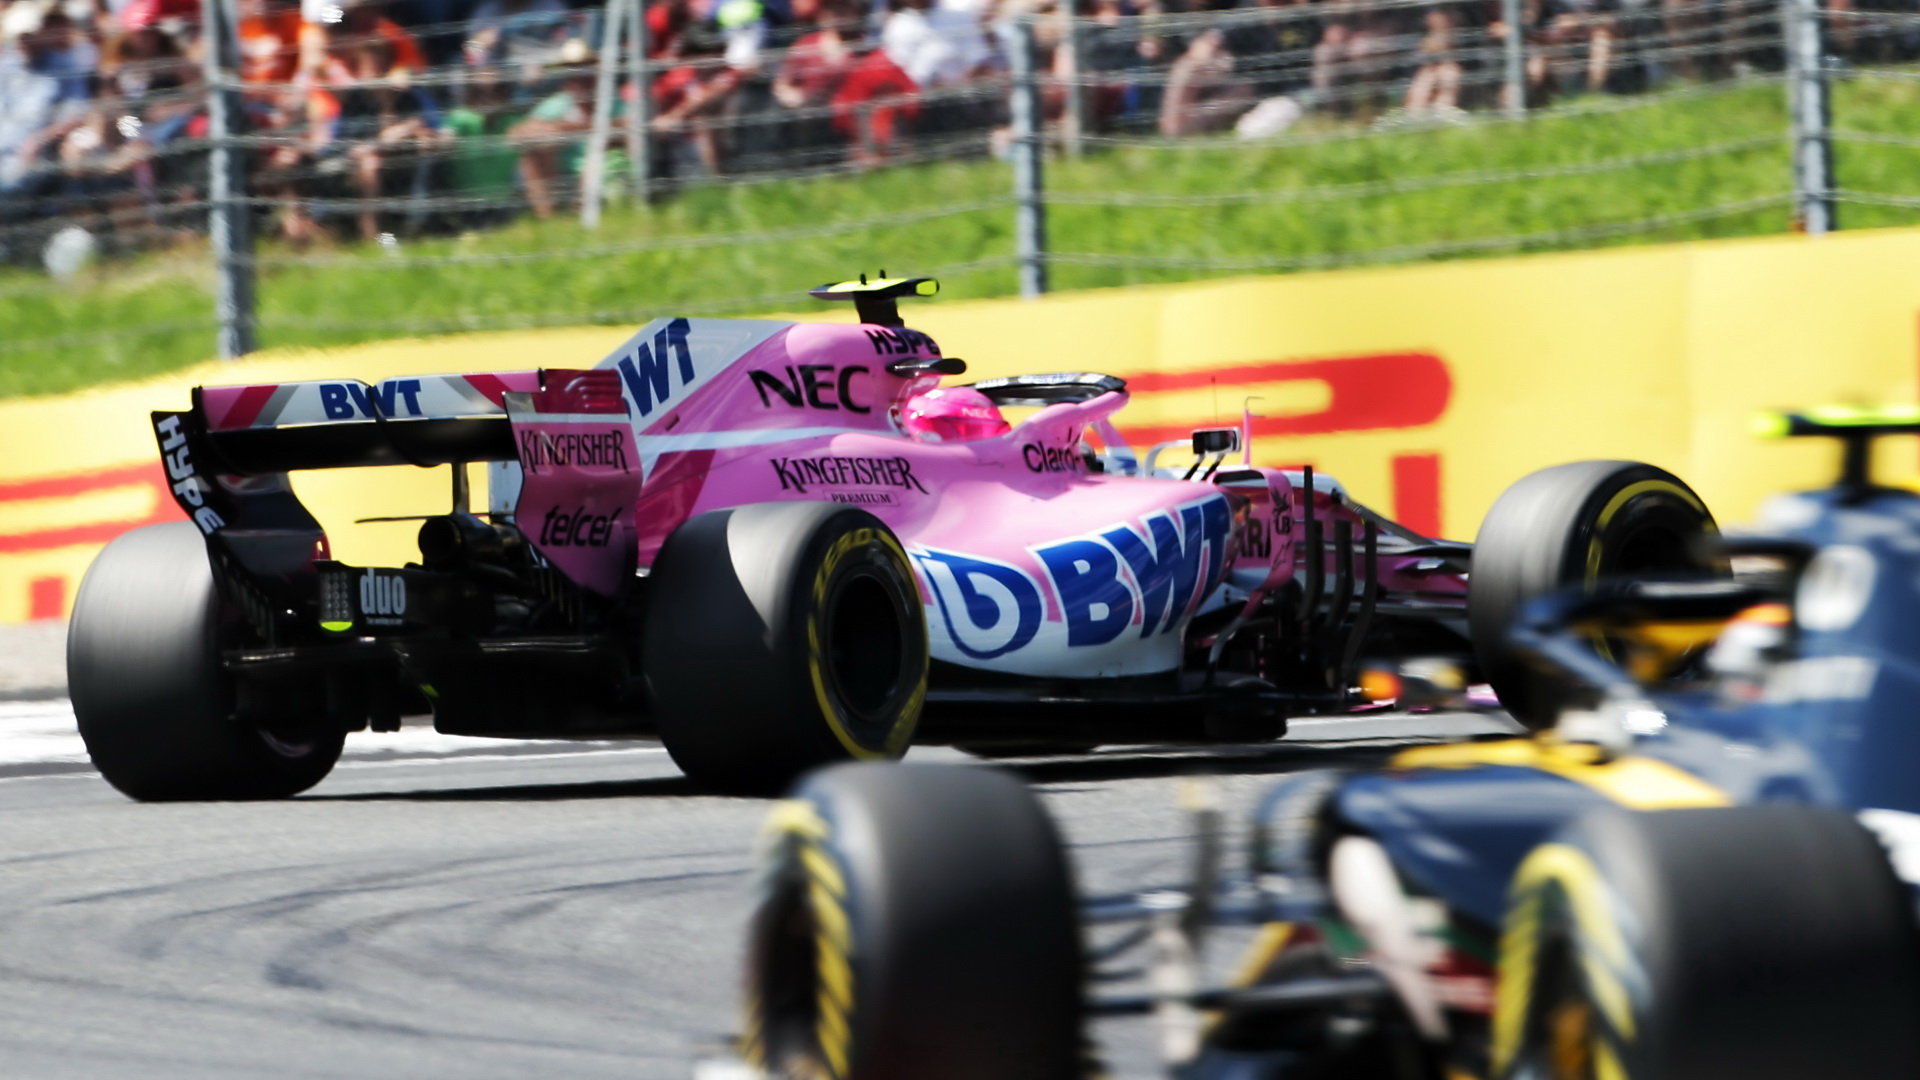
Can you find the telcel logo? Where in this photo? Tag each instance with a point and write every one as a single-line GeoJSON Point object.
{"type": "Point", "coordinates": [576, 529]}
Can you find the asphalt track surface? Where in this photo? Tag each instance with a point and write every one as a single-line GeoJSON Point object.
{"type": "Point", "coordinates": [468, 909]}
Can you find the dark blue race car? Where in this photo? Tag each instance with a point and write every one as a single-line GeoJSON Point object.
{"type": "Point", "coordinates": [1706, 868]}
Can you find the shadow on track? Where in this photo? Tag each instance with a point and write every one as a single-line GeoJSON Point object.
{"type": "Point", "coordinates": [1238, 760]}
{"type": "Point", "coordinates": [658, 787]}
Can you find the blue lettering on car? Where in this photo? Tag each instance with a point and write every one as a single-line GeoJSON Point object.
{"type": "Point", "coordinates": [989, 608]}
{"type": "Point", "coordinates": [648, 372]}
{"type": "Point", "coordinates": [1163, 580]}
{"type": "Point", "coordinates": [349, 401]}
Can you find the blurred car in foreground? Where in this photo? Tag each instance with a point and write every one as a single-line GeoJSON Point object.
{"type": "Point", "coordinates": [1709, 877]}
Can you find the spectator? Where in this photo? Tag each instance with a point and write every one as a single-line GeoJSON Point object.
{"type": "Point", "coordinates": [270, 32]}
{"type": "Point", "coordinates": [1356, 43]}
{"type": "Point", "coordinates": [483, 167]}
{"type": "Point", "coordinates": [1202, 94]}
{"type": "Point", "coordinates": [1580, 37]}
{"type": "Point", "coordinates": [304, 123]}
{"type": "Point", "coordinates": [873, 107]}
{"type": "Point", "coordinates": [820, 61]}
{"type": "Point", "coordinates": [936, 42]}
{"type": "Point", "coordinates": [43, 92]}
{"type": "Point", "coordinates": [551, 138]}
{"type": "Point", "coordinates": [526, 34]}
{"type": "Point", "coordinates": [694, 93]}
{"type": "Point", "coordinates": [1434, 89]}
{"type": "Point", "coordinates": [388, 121]}
{"type": "Point", "coordinates": [359, 43]}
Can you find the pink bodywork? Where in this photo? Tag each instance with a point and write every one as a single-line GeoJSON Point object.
{"type": "Point", "coordinates": [1029, 562]}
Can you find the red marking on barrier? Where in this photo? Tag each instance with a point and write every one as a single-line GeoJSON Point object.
{"type": "Point", "coordinates": [47, 598]}
{"type": "Point", "coordinates": [1416, 492]}
{"type": "Point", "coordinates": [67, 487]}
{"type": "Point", "coordinates": [1364, 393]}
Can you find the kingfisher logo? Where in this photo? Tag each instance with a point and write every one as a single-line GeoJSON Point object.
{"type": "Point", "coordinates": [1150, 575]}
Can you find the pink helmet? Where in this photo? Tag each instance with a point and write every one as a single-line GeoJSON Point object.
{"type": "Point", "coordinates": [952, 414]}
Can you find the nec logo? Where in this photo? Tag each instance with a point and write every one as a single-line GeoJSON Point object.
{"type": "Point", "coordinates": [813, 385]}
{"type": "Point", "coordinates": [649, 372]}
{"type": "Point", "coordinates": [349, 401]}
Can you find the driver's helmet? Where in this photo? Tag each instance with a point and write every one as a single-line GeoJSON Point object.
{"type": "Point", "coordinates": [952, 414]}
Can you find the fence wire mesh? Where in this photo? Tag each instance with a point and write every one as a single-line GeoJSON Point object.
{"type": "Point", "coordinates": [423, 166]}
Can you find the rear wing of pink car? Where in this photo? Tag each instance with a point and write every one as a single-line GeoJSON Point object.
{"type": "Point", "coordinates": [228, 456]}
{"type": "Point", "coordinates": [420, 420]}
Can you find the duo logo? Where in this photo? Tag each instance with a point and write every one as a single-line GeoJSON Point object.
{"type": "Point", "coordinates": [648, 372]}
{"type": "Point", "coordinates": [991, 608]}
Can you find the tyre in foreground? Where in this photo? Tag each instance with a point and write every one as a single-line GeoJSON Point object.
{"type": "Point", "coordinates": [916, 922]}
{"type": "Point", "coordinates": [1767, 942]}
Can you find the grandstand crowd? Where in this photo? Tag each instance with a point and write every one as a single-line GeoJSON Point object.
{"type": "Point", "coordinates": [367, 118]}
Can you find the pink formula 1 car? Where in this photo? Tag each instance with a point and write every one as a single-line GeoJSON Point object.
{"type": "Point", "coordinates": [771, 545]}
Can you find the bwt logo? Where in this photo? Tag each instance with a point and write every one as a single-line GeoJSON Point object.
{"type": "Point", "coordinates": [349, 401]}
{"type": "Point", "coordinates": [648, 373]}
{"type": "Point", "coordinates": [1103, 582]}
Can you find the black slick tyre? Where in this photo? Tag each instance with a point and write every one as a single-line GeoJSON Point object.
{"type": "Point", "coordinates": [916, 922]}
{"type": "Point", "coordinates": [1768, 942]}
{"type": "Point", "coordinates": [782, 636]}
{"type": "Point", "coordinates": [1566, 525]}
{"type": "Point", "coordinates": [160, 717]}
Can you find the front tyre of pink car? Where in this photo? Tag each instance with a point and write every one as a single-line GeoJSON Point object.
{"type": "Point", "coordinates": [779, 637]}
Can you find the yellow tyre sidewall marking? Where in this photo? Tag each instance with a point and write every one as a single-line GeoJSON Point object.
{"type": "Point", "coordinates": [1619, 500]}
{"type": "Point", "coordinates": [901, 733]}
{"type": "Point", "coordinates": [1595, 549]}
{"type": "Point", "coordinates": [797, 834]}
{"type": "Point", "coordinates": [1602, 953]}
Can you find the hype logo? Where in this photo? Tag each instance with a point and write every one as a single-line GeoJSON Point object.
{"type": "Point", "coordinates": [1167, 571]}
{"type": "Point", "coordinates": [990, 608]}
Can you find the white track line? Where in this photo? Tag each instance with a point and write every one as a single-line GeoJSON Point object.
{"type": "Point", "coordinates": [45, 732]}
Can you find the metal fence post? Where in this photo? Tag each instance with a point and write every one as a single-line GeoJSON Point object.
{"type": "Point", "coordinates": [1076, 119]}
{"type": "Point", "coordinates": [1514, 56]}
{"type": "Point", "coordinates": [593, 171]}
{"type": "Point", "coordinates": [640, 113]}
{"type": "Point", "coordinates": [1030, 208]}
{"type": "Point", "coordinates": [1810, 114]}
{"type": "Point", "coordinates": [228, 224]}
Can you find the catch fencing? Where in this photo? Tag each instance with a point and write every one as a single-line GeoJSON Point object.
{"type": "Point", "coordinates": [262, 177]}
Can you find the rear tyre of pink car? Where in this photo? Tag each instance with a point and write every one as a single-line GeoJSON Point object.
{"type": "Point", "coordinates": [161, 718]}
{"type": "Point", "coordinates": [782, 636]}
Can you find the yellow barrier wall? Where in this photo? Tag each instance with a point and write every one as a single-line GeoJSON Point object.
{"type": "Point", "coordinates": [1426, 389]}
